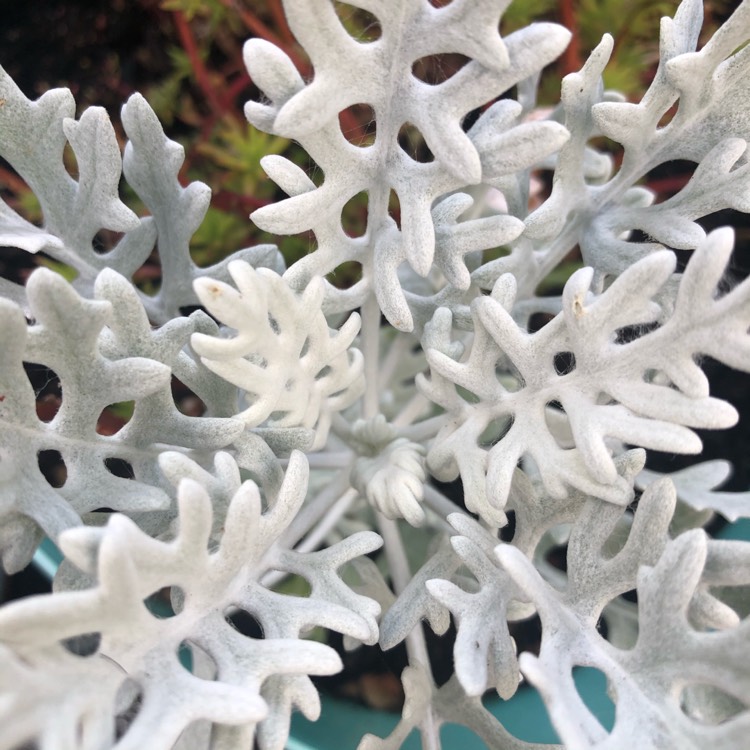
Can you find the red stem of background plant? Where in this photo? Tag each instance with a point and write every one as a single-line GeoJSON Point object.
{"type": "Point", "coordinates": [226, 200]}
{"type": "Point", "coordinates": [201, 73]}
{"type": "Point", "coordinates": [234, 89]}
{"type": "Point", "coordinates": [260, 29]}
{"type": "Point", "coordinates": [571, 58]}
{"type": "Point", "coordinates": [12, 181]}
{"type": "Point", "coordinates": [279, 18]}
{"type": "Point", "coordinates": [253, 23]}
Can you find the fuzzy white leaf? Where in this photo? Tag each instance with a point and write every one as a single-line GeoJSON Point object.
{"type": "Point", "coordinates": [649, 414]}
{"type": "Point", "coordinates": [131, 566]}
{"type": "Point", "coordinates": [284, 357]}
{"type": "Point", "coordinates": [348, 73]}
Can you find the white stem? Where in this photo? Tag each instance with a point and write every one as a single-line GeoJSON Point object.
{"type": "Point", "coordinates": [317, 535]}
{"type": "Point", "coordinates": [313, 511]}
{"type": "Point", "coordinates": [371, 352]}
{"type": "Point", "coordinates": [438, 502]}
{"type": "Point", "coordinates": [396, 352]}
{"type": "Point", "coordinates": [398, 567]}
{"type": "Point", "coordinates": [340, 427]}
{"type": "Point", "coordinates": [331, 518]}
{"type": "Point", "coordinates": [424, 430]}
{"type": "Point", "coordinates": [416, 647]}
{"type": "Point", "coordinates": [337, 460]}
{"type": "Point", "coordinates": [412, 411]}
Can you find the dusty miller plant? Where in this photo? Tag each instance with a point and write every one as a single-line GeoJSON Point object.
{"type": "Point", "coordinates": [330, 412]}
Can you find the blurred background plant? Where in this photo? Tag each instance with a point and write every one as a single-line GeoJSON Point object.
{"type": "Point", "coordinates": [185, 57]}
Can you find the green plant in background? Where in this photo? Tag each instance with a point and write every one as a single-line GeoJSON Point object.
{"type": "Point", "coordinates": [202, 84]}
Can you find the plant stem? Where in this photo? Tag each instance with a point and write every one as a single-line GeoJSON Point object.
{"type": "Point", "coordinates": [261, 29]}
{"type": "Point", "coordinates": [424, 430]}
{"type": "Point", "coordinates": [396, 352]}
{"type": "Point", "coordinates": [416, 647]}
{"type": "Point", "coordinates": [340, 427]}
{"type": "Point", "coordinates": [196, 61]}
{"type": "Point", "coordinates": [438, 502]}
{"type": "Point", "coordinates": [13, 181]}
{"type": "Point", "coordinates": [313, 510]}
{"type": "Point", "coordinates": [253, 23]}
{"type": "Point", "coordinates": [398, 566]}
{"type": "Point", "coordinates": [329, 460]}
{"type": "Point", "coordinates": [571, 57]}
{"type": "Point", "coordinates": [329, 520]}
{"type": "Point", "coordinates": [416, 406]}
{"type": "Point", "coordinates": [279, 21]}
{"type": "Point", "coordinates": [371, 352]}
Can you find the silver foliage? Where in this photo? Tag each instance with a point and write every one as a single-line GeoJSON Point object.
{"type": "Point", "coordinates": [223, 515]}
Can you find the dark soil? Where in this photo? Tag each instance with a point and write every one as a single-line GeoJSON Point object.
{"type": "Point", "coordinates": [103, 50]}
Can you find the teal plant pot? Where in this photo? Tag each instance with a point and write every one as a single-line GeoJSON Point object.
{"type": "Point", "coordinates": [737, 530]}
{"type": "Point", "coordinates": [342, 723]}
